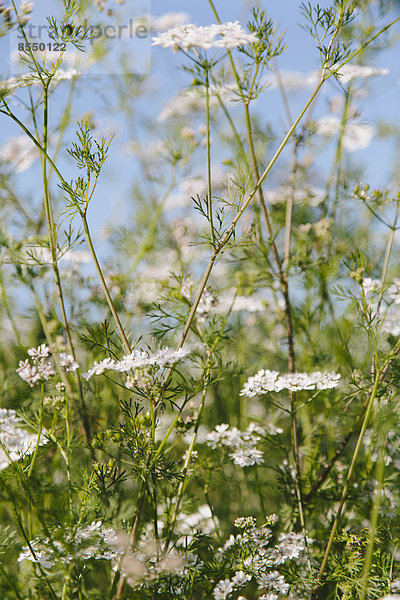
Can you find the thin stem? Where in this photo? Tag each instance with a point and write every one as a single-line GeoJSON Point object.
{"type": "Point", "coordinates": [103, 283]}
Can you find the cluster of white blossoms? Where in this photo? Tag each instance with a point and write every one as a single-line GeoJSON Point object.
{"type": "Point", "coordinates": [243, 443]}
{"type": "Point", "coordinates": [94, 541]}
{"type": "Point", "coordinates": [138, 360]}
{"type": "Point", "coordinates": [270, 381]}
{"type": "Point", "coordinates": [41, 368]}
{"type": "Point", "coordinates": [12, 84]}
{"type": "Point", "coordinates": [225, 35]}
{"type": "Point", "coordinates": [15, 441]}
{"type": "Point", "coordinates": [252, 557]}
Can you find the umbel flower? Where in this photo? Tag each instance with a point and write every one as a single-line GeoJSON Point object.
{"type": "Point", "coordinates": [270, 381]}
{"type": "Point", "coordinates": [225, 35]}
{"type": "Point", "coordinates": [41, 368]}
{"type": "Point", "coordinates": [15, 441]}
{"type": "Point", "coordinates": [138, 359]}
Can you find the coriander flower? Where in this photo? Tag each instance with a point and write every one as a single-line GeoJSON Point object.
{"type": "Point", "coordinates": [269, 381]}
{"type": "Point", "coordinates": [247, 457]}
{"type": "Point", "coordinates": [42, 369]}
{"type": "Point", "coordinates": [94, 541]}
{"type": "Point", "coordinates": [16, 442]}
{"type": "Point", "coordinates": [138, 359]}
{"type": "Point", "coordinates": [225, 35]}
{"type": "Point", "coordinates": [223, 589]}
{"type": "Point", "coordinates": [67, 362]}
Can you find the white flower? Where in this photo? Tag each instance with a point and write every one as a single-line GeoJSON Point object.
{"type": "Point", "coordinates": [138, 359]}
{"type": "Point", "coordinates": [98, 368]}
{"type": "Point", "coordinates": [41, 370]}
{"type": "Point", "coordinates": [41, 351]}
{"type": "Point", "coordinates": [274, 581]}
{"type": "Point", "coordinates": [223, 589]}
{"type": "Point", "coordinates": [225, 35]}
{"type": "Point", "coordinates": [270, 381]}
{"type": "Point", "coordinates": [240, 578]}
{"type": "Point", "coordinates": [95, 541]}
{"type": "Point", "coordinates": [247, 457]}
{"type": "Point", "coordinates": [67, 362]}
{"type": "Point", "coordinates": [259, 383]}
{"type": "Point", "coordinates": [16, 442]}
{"type": "Point", "coordinates": [244, 522]}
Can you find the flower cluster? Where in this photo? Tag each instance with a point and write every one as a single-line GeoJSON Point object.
{"type": "Point", "coordinates": [137, 361]}
{"type": "Point", "coordinates": [225, 35]}
{"type": "Point", "coordinates": [94, 541]}
{"type": "Point", "coordinates": [15, 441]}
{"type": "Point", "coordinates": [270, 381]}
{"type": "Point", "coordinates": [252, 556]}
{"type": "Point", "coordinates": [243, 443]}
{"type": "Point", "coordinates": [41, 368]}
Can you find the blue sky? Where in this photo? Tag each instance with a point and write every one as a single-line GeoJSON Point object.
{"type": "Point", "coordinates": [301, 55]}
